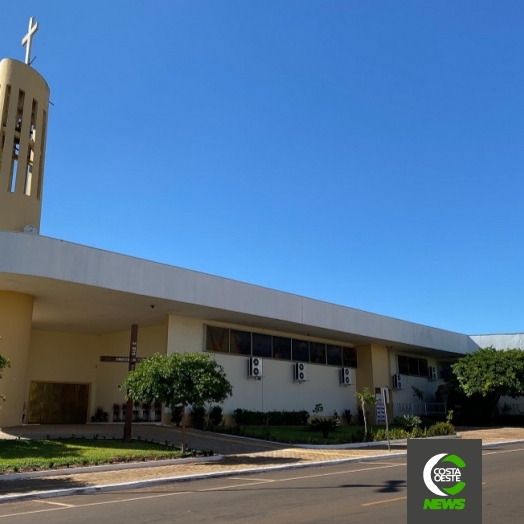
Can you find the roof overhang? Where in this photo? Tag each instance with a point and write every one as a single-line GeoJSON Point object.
{"type": "Point", "coordinates": [87, 290]}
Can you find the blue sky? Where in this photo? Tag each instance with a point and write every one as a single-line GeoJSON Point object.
{"type": "Point", "coordinates": [367, 153]}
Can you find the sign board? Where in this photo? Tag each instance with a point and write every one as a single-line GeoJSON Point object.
{"type": "Point", "coordinates": [119, 359]}
{"type": "Point", "coordinates": [381, 409]}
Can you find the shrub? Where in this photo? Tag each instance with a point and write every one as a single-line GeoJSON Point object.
{"type": "Point", "coordinates": [215, 416]}
{"type": "Point", "coordinates": [326, 425]}
{"type": "Point", "coordinates": [440, 429]}
{"type": "Point", "coordinates": [348, 417]}
{"type": "Point", "coordinates": [408, 422]}
{"type": "Point", "coordinates": [198, 416]}
{"type": "Point", "coordinates": [417, 432]}
{"type": "Point", "coordinates": [246, 417]}
{"type": "Point", "coordinates": [176, 415]}
{"type": "Point", "coordinates": [394, 434]}
{"type": "Point", "coordinates": [100, 415]}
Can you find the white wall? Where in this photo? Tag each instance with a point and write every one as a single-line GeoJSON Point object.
{"type": "Point", "coordinates": [428, 387]}
{"type": "Point", "coordinates": [500, 341]}
{"type": "Point", "coordinates": [276, 390]}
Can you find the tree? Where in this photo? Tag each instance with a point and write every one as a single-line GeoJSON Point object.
{"type": "Point", "coordinates": [418, 393]}
{"type": "Point", "coordinates": [492, 374]}
{"type": "Point", "coordinates": [365, 398]}
{"type": "Point", "coordinates": [4, 363]}
{"type": "Point", "coordinates": [178, 379]}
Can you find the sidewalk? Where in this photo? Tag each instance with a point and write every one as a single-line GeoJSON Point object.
{"type": "Point", "coordinates": [240, 456]}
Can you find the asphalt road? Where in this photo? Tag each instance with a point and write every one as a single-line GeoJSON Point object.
{"type": "Point", "coordinates": [358, 493]}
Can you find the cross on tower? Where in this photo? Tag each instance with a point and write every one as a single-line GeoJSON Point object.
{"type": "Point", "coordinates": [28, 40]}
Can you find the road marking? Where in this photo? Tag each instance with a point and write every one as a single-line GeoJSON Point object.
{"type": "Point", "coordinates": [502, 451]}
{"type": "Point", "coordinates": [251, 480]}
{"type": "Point", "coordinates": [222, 488]}
{"type": "Point", "coordinates": [254, 482]}
{"type": "Point", "coordinates": [339, 473]}
{"type": "Point", "coordinates": [388, 463]}
{"type": "Point", "coordinates": [56, 503]}
{"type": "Point", "coordinates": [130, 499]}
{"type": "Point", "coordinates": [384, 501]}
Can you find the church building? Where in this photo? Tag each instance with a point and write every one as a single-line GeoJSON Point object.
{"type": "Point", "coordinates": [66, 312]}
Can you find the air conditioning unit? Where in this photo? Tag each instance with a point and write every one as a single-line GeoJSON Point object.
{"type": "Point", "coordinates": [299, 372]}
{"type": "Point", "coordinates": [397, 381]}
{"type": "Point", "coordinates": [432, 373]}
{"type": "Point", "coordinates": [346, 376]}
{"type": "Point", "coordinates": [254, 367]}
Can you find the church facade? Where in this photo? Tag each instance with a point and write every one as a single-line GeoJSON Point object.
{"type": "Point", "coordinates": [66, 311]}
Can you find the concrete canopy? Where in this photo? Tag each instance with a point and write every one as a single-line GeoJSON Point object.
{"type": "Point", "coordinates": [87, 290]}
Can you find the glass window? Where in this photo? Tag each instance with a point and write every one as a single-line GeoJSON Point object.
{"type": "Point", "coordinates": [403, 365]}
{"type": "Point", "coordinates": [445, 370]}
{"type": "Point", "coordinates": [334, 355]}
{"type": "Point", "coordinates": [261, 345]}
{"type": "Point", "coordinates": [413, 366]}
{"type": "Point", "coordinates": [240, 342]}
{"type": "Point", "coordinates": [282, 348]}
{"type": "Point", "coordinates": [300, 350]}
{"type": "Point", "coordinates": [317, 352]}
{"type": "Point", "coordinates": [217, 339]}
{"type": "Point", "coordinates": [423, 367]}
{"type": "Point", "coordinates": [349, 357]}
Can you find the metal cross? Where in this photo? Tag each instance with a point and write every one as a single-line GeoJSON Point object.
{"type": "Point", "coordinates": [28, 40]}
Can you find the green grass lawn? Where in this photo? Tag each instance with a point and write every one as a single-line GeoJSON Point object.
{"type": "Point", "coordinates": [300, 435]}
{"type": "Point", "coordinates": [30, 455]}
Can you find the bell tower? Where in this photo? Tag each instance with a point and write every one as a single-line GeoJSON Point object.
{"type": "Point", "coordinates": [24, 106]}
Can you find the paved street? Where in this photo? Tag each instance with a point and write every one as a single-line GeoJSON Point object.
{"type": "Point", "coordinates": [358, 493]}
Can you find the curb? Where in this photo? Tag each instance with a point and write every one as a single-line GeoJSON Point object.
{"type": "Point", "coordinates": [18, 497]}
{"type": "Point", "coordinates": [106, 467]}
{"type": "Point", "coordinates": [503, 443]}
{"type": "Point", "coordinates": [359, 445]}
{"type": "Point", "coordinates": [202, 476]}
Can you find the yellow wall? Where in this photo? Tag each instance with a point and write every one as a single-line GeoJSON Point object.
{"type": "Point", "coordinates": [373, 372]}
{"type": "Point", "coordinates": [16, 312]}
{"type": "Point", "coordinates": [110, 374]}
{"type": "Point", "coordinates": [22, 206]}
{"type": "Point", "coordinates": [75, 358]}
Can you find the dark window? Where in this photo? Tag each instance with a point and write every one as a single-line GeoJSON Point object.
{"type": "Point", "coordinates": [417, 367]}
{"type": "Point", "coordinates": [445, 370]}
{"type": "Point", "coordinates": [300, 350]}
{"type": "Point", "coordinates": [334, 355]}
{"type": "Point", "coordinates": [240, 342]}
{"type": "Point", "coordinates": [349, 357]}
{"type": "Point", "coordinates": [423, 367]}
{"type": "Point", "coordinates": [217, 339]}
{"type": "Point", "coordinates": [317, 352]}
{"type": "Point", "coordinates": [403, 366]}
{"type": "Point", "coordinates": [413, 366]}
{"type": "Point", "coordinates": [282, 348]}
{"type": "Point", "coordinates": [261, 345]}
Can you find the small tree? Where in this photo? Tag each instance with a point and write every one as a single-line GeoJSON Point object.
{"type": "Point", "coordinates": [178, 379]}
{"type": "Point", "coordinates": [4, 363]}
{"type": "Point", "coordinates": [366, 398]}
{"type": "Point", "coordinates": [492, 374]}
{"type": "Point", "coordinates": [418, 393]}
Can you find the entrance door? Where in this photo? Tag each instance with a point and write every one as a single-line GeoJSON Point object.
{"type": "Point", "coordinates": [57, 403]}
